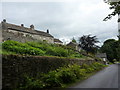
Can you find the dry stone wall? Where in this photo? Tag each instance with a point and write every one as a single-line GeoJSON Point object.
{"type": "Point", "coordinates": [14, 67]}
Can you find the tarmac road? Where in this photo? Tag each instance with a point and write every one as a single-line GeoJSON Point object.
{"type": "Point", "coordinates": [106, 78]}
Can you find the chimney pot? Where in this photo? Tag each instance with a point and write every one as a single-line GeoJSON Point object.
{"type": "Point", "coordinates": [32, 27]}
{"type": "Point", "coordinates": [47, 30]}
{"type": "Point", "coordinates": [4, 20]}
{"type": "Point", "coordinates": [22, 25]}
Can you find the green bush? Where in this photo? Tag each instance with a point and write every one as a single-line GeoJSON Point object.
{"type": "Point", "coordinates": [89, 70]}
{"type": "Point", "coordinates": [83, 72]}
{"type": "Point", "coordinates": [61, 52]}
{"type": "Point", "coordinates": [85, 66]}
{"type": "Point", "coordinates": [61, 76]}
{"type": "Point", "coordinates": [38, 45]}
{"type": "Point", "coordinates": [77, 55]}
{"type": "Point", "coordinates": [39, 48]}
{"type": "Point", "coordinates": [66, 75]}
{"type": "Point", "coordinates": [51, 80]}
{"type": "Point", "coordinates": [31, 83]}
{"type": "Point", "coordinates": [21, 48]}
{"type": "Point", "coordinates": [97, 66]}
{"type": "Point", "coordinates": [76, 69]}
{"type": "Point", "coordinates": [57, 51]}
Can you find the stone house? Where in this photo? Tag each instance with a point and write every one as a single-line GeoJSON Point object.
{"type": "Point", "coordinates": [23, 34]}
{"type": "Point", "coordinates": [103, 56]}
{"type": "Point", "coordinates": [74, 46]}
{"type": "Point", "coordinates": [57, 41]}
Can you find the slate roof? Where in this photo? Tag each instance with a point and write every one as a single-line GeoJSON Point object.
{"type": "Point", "coordinates": [57, 40]}
{"type": "Point", "coordinates": [101, 55]}
{"type": "Point", "coordinates": [25, 29]}
{"type": "Point", "coordinates": [72, 44]}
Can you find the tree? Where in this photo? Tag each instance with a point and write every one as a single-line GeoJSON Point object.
{"type": "Point", "coordinates": [73, 40]}
{"type": "Point", "coordinates": [112, 48]}
{"type": "Point", "coordinates": [115, 6]}
{"type": "Point", "coordinates": [88, 43]}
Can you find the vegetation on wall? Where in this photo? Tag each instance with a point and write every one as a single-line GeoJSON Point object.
{"type": "Point", "coordinates": [58, 72]}
{"type": "Point", "coordinates": [16, 66]}
{"type": "Point", "coordinates": [38, 48]}
{"type": "Point", "coordinates": [60, 77]}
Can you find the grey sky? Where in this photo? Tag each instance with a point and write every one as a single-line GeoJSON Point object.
{"type": "Point", "coordinates": [65, 20]}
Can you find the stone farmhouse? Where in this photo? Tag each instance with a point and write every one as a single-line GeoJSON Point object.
{"type": "Point", "coordinates": [23, 34]}
{"type": "Point", "coordinates": [57, 41]}
{"type": "Point", "coordinates": [103, 56]}
{"type": "Point", "coordinates": [74, 45]}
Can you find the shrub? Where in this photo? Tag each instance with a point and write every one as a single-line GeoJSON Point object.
{"type": "Point", "coordinates": [89, 70]}
{"type": "Point", "coordinates": [85, 66]}
{"type": "Point", "coordinates": [39, 48]}
{"type": "Point", "coordinates": [71, 73]}
{"type": "Point", "coordinates": [76, 69]}
{"type": "Point", "coordinates": [21, 48]}
{"type": "Point", "coordinates": [82, 72]}
{"type": "Point", "coordinates": [60, 77]}
{"type": "Point", "coordinates": [51, 80]}
{"type": "Point", "coordinates": [66, 75]}
{"type": "Point", "coordinates": [61, 52]}
{"type": "Point", "coordinates": [97, 66]}
{"type": "Point", "coordinates": [77, 55]}
{"type": "Point", "coordinates": [38, 45]}
{"type": "Point", "coordinates": [57, 51]}
{"type": "Point", "coordinates": [31, 83]}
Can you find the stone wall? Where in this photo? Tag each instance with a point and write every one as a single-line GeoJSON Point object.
{"type": "Point", "coordinates": [23, 37]}
{"type": "Point", "coordinates": [43, 38]}
{"type": "Point", "coordinates": [15, 66]}
{"type": "Point", "coordinates": [16, 36]}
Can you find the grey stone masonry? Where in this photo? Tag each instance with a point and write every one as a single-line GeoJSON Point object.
{"type": "Point", "coordinates": [23, 34]}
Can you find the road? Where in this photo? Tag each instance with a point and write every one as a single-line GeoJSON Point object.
{"type": "Point", "coordinates": [106, 78]}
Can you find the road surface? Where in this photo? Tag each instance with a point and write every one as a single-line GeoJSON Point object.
{"type": "Point", "coordinates": [106, 78]}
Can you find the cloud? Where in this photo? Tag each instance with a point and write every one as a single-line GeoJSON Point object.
{"type": "Point", "coordinates": [64, 19]}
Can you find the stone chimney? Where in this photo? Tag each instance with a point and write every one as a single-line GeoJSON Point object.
{"type": "Point", "coordinates": [32, 27]}
{"type": "Point", "coordinates": [22, 25]}
{"type": "Point", "coordinates": [4, 26]}
{"type": "Point", "coordinates": [4, 20]}
{"type": "Point", "coordinates": [47, 30]}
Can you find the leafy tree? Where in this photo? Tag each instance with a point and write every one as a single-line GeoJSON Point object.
{"type": "Point", "coordinates": [73, 40]}
{"type": "Point", "coordinates": [88, 43]}
{"type": "Point", "coordinates": [115, 6]}
{"type": "Point", "coordinates": [112, 48]}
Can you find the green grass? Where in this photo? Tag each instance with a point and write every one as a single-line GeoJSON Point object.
{"type": "Point", "coordinates": [39, 49]}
